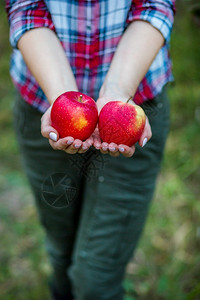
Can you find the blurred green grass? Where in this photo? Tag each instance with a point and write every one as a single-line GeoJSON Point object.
{"type": "Point", "coordinates": [167, 262]}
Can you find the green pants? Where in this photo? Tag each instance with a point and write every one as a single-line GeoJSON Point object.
{"type": "Point", "coordinates": [92, 206]}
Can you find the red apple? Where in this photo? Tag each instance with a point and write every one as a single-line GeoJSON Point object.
{"type": "Point", "coordinates": [121, 123]}
{"type": "Point", "coordinates": [74, 114]}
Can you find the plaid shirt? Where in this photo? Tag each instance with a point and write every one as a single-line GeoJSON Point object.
{"type": "Point", "coordinates": [89, 31]}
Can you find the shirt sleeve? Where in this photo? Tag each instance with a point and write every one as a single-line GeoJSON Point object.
{"type": "Point", "coordinates": [159, 13]}
{"type": "Point", "coordinates": [26, 15]}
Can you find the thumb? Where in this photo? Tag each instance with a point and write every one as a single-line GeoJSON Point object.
{"type": "Point", "coordinates": [146, 135]}
{"type": "Point", "coordinates": [47, 130]}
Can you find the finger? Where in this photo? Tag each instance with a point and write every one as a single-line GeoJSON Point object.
{"type": "Point", "coordinates": [47, 130]}
{"type": "Point", "coordinates": [104, 148]}
{"type": "Point", "coordinates": [85, 146]}
{"type": "Point", "coordinates": [62, 144]}
{"type": "Point", "coordinates": [74, 147]}
{"type": "Point", "coordinates": [96, 141]}
{"type": "Point", "coordinates": [126, 151]}
{"type": "Point", "coordinates": [146, 135]}
{"type": "Point", "coordinates": [90, 140]}
{"type": "Point", "coordinates": [113, 148]}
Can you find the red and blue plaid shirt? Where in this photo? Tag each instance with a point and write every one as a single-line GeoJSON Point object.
{"type": "Point", "coordinates": [89, 31]}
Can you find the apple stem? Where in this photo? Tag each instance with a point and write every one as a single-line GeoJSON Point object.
{"type": "Point", "coordinates": [130, 98]}
{"type": "Point", "coordinates": [80, 98]}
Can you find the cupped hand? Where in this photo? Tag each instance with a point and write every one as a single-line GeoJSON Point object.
{"type": "Point", "coordinates": [67, 144]}
{"type": "Point", "coordinates": [72, 146]}
{"type": "Point", "coordinates": [114, 149]}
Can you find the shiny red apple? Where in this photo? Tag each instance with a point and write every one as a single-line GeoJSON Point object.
{"type": "Point", "coordinates": [121, 123]}
{"type": "Point", "coordinates": [74, 114]}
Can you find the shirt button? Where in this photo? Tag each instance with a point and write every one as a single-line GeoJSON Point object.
{"type": "Point", "coordinates": [159, 105]}
{"type": "Point", "coordinates": [101, 179]}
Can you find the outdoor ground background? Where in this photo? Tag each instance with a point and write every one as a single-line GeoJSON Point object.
{"type": "Point", "coordinates": [167, 262]}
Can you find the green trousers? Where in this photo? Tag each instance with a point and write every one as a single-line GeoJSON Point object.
{"type": "Point", "coordinates": [92, 206]}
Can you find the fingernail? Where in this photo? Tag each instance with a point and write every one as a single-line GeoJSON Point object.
{"type": "Point", "coordinates": [84, 147]}
{"type": "Point", "coordinates": [76, 146]}
{"type": "Point", "coordinates": [121, 149]}
{"type": "Point", "coordinates": [104, 148]}
{"type": "Point", "coordinates": [53, 136]}
{"type": "Point", "coordinates": [98, 146]}
{"type": "Point", "coordinates": [112, 149]}
{"type": "Point", "coordinates": [69, 142]}
{"type": "Point", "coordinates": [144, 142]}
